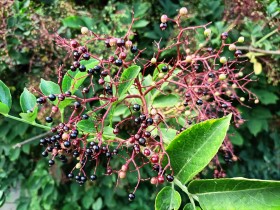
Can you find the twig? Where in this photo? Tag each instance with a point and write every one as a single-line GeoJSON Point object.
{"type": "Point", "coordinates": [31, 139]}
{"type": "Point", "coordinates": [249, 48]}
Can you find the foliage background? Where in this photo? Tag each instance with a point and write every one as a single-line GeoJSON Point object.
{"type": "Point", "coordinates": [27, 52]}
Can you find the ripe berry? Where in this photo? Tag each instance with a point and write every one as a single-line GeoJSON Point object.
{"type": "Point", "coordinates": [108, 90]}
{"type": "Point", "coordinates": [93, 177]}
{"type": "Point", "coordinates": [131, 196]}
{"type": "Point", "coordinates": [74, 43]}
{"type": "Point", "coordinates": [107, 43]}
{"type": "Point", "coordinates": [156, 167]}
{"type": "Point", "coordinates": [224, 35]}
{"type": "Point", "coordinates": [67, 144]}
{"type": "Point", "coordinates": [77, 104]}
{"type": "Point", "coordinates": [95, 148]}
{"type": "Point", "coordinates": [85, 117]}
{"type": "Point", "coordinates": [70, 175]}
{"type": "Point", "coordinates": [160, 179]}
{"type": "Point", "coordinates": [120, 42]}
{"type": "Point", "coordinates": [163, 26]}
{"type": "Point", "coordinates": [237, 53]}
{"type": "Point", "coordinates": [86, 56]}
{"type": "Point", "coordinates": [45, 154]}
{"type": "Point", "coordinates": [154, 159]}
{"type": "Point", "coordinates": [72, 68]}
{"type": "Point", "coordinates": [199, 102]}
{"type": "Point", "coordinates": [142, 117]}
{"type": "Point", "coordinates": [76, 64]}
{"type": "Point", "coordinates": [60, 97]}
{"type": "Point", "coordinates": [224, 106]}
{"type": "Point", "coordinates": [52, 97]}
{"type": "Point", "coordinates": [149, 121]}
{"type": "Point", "coordinates": [169, 178]}
{"type": "Point", "coordinates": [76, 154]}
{"type": "Point", "coordinates": [108, 154]}
{"type": "Point", "coordinates": [136, 107]}
{"type": "Point", "coordinates": [122, 55]}
{"type": "Point", "coordinates": [134, 49]}
{"type": "Point", "coordinates": [109, 171]}
{"type": "Point", "coordinates": [51, 162]}
{"type": "Point", "coordinates": [142, 141]}
{"type": "Point", "coordinates": [90, 71]}
{"type": "Point", "coordinates": [211, 75]}
{"type": "Point", "coordinates": [118, 62]}
{"type": "Point", "coordinates": [82, 68]}
{"type": "Point", "coordinates": [85, 90]}
{"type": "Point", "coordinates": [82, 49]}
{"type": "Point", "coordinates": [41, 100]}
{"type": "Point", "coordinates": [78, 178]}
{"type": "Point", "coordinates": [115, 151]}
{"type": "Point", "coordinates": [164, 69]}
{"type": "Point", "coordinates": [137, 120]}
{"type": "Point", "coordinates": [147, 152]}
{"type": "Point", "coordinates": [147, 134]}
{"type": "Point", "coordinates": [68, 93]}
{"type": "Point", "coordinates": [48, 119]}
{"type": "Point", "coordinates": [104, 73]}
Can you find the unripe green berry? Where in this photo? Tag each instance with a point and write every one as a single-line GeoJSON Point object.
{"type": "Point", "coordinates": [207, 32]}
{"type": "Point", "coordinates": [223, 59]}
{"type": "Point", "coordinates": [232, 47]}
{"type": "Point", "coordinates": [188, 113]}
{"type": "Point", "coordinates": [153, 60]}
{"type": "Point", "coordinates": [188, 59]}
{"type": "Point", "coordinates": [242, 99]}
{"type": "Point", "coordinates": [222, 76]}
{"type": "Point", "coordinates": [241, 39]}
{"type": "Point", "coordinates": [84, 30]}
{"type": "Point", "coordinates": [160, 75]}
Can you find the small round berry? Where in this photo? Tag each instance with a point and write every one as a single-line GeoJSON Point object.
{"type": "Point", "coordinates": [232, 47]}
{"type": "Point", "coordinates": [142, 141]}
{"type": "Point", "coordinates": [76, 64]}
{"type": "Point", "coordinates": [137, 120]}
{"type": "Point", "coordinates": [77, 104]}
{"type": "Point", "coordinates": [74, 43]}
{"type": "Point", "coordinates": [45, 154]}
{"type": "Point", "coordinates": [154, 159]}
{"type": "Point", "coordinates": [133, 49]}
{"type": "Point", "coordinates": [169, 178]}
{"type": "Point", "coordinates": [164, 69]}
{"type": "Point", "coordinates": [109, 171]}
{"type": "Point", "coordinates": [76, 153]}
{"type": "Point", "coordinates": [147, 134]}
{"type": "Point", "coordinates": [90, 71]}
{"type": "Point", "coordinates": [222, 76]}
{"type": "Point", "coordinates": [84, 30]}
{"type": "Point", "coordinates": [160, 179]}
{"type": "Point", "coordinates": [61, 97]}
{"type": "Point", "coordinates": [154, 180]}
{"type": "Point", "coordinates": [118, 62]}
{"type": "Point", "coordinates": [108, 90]}
{"type": "Point", "coordinates": [107, 43]}
{"type": "Point", "coordinates": [115, 151]}
{"type": "Point", "coordinates": [112, 42]}
{"type": "Point", "coordinates": [242, 99]}
{"type": "Point", "coordinates": [185, 103]}
{"type": "Point", "coordinates": [131, 196]}
{"type": "Point", "coordinates": [211, 75]}
{"type": "Point", "coordinates": [147, 152]}
{"type": "Point", "coordinates": [122, 174]}
{"type": "Point", "coordinates": [199, 102]}
{"type": "Point", "coordinates": [96, 148]}
{"type": "Point", "coordinates": [128, 44]}
{"type": "Point", "coordinates": [156, 167]}
{"type": "Point", "coordinates": [188, 59]}
{"type": "Point", "coordinates": [52, 97]}
{"type": "Point", "coordinates": [108, 154]}
{"type": "Point", "coordinates": [85, 90]}
{"type": "Point", "coordinates": [149, 121]}
{"type": "Point", "coordinates": [78, 165]}
{"type": "Point", "coordinates": [224, 106]}
{"type": "Point", "coordinates": [122, 55]}
{"type": "Point", "coordinates": [93, 177]}
{"type": "Point", "coordinates": [78, 178]}
{"type": "Point", "coordinates": [86, 56]}
{"type": "Point", "coordinates": [237, 53]}
{"type": "Point", "coordinates": [101, 81]}
{"type": "Point", "coordinates": [72, 68]}
{"type": "Point", "coordinates": [41, 100]}
{"type": "Point", "coordinates": [207, 32]}
{"type": "Point", "coordinates": [85, 117]}
{"type": "Point", "coordinates": [82, 68]}
{"type": "Point", "coordinates": [164, 18]}
{"type": "Point", "coordinates": [68, 93]}
{"type": "Point", "coordinates": [124, 168]}
{"type": "Point", "coordinates": [241, 39]}
{"type": "Point", "coordinates": [120, 42]}
{"type": "Point", "coordinates": [163, 26]}
{"type": "Point", "coordinates": [104, 73]}
{"type": "Point", "coordinates": [153, 61]}
{"type": "Point", "coordinates": [116, 131]}
{"type": "Point", "coordinates": [83, 178]}
{"type": "Point", "coordinates": [70, 175]}
{"type": "Point", "coordinates": [223, 60]}
{"type": "Point", "coordinates": [224, 35]}
{"type": "Point", "coordinates": [65, 136]}
{"type": "Point", "coordinates": [136, 107]}
{"type": "Point", "coordinates": [51, 162]}
{"type": "Point", "coordinates": [142, 117]}
{"type": "Point", "coordinates": [48, 119]}
{"type": "Point", "coordinates": [67, 144]}
{"type": "Point", "coordinates": [183, 11]}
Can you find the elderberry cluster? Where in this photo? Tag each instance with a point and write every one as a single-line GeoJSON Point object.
{"type": "Point", "coordinates": [205, 83]}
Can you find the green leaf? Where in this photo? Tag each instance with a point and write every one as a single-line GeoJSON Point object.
{"type": "Point", "coordinates": [165, 101]}
{"type": "Point", "coordinates": [27, 100]}
{"type": "Point", "coordinates": [194, 148]}
{"type": "Point", "coordinates": [86, 126]}
{"type": "Point", "coordinates": [73, 22]}
{"type": "Point", "coordinates": [189, 206]}
{"type": "Point", "coordinates": [236, 194]}
{"type": "Point", "coordinates": [168, 134]}
{"type": "Point", "coordinates": [108, 133]}
{"type": "Point", "coordinates": [49, 87]}
{"type": "Point", "coordinates": [127, 78]}
{"type": "Point", "coordinates": [87, 201]}
{"type": "Point", "coordinates": [168, 199]}
{"type": "Point", "coordinates": [266, 97]}
{"type": "Point", "coordinates": [140, 24]}
{"type": "Point", "coordinates": [31, 116]}
{"type": "Point", "coordinates": [5, 98]}
{"type": "Point", "coordinates": [235, 137]}
{"type": "Point", "coordinates": [97, 205]}
{"type": "Point", "coordinates": [157, 70]}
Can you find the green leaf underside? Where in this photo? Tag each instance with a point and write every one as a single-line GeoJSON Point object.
{"type": "Point", "coordinates": [168, 199]}
{"type": "Point", "coordinates": [127, 79]}
{"type": "Point", "coordinates": [236, 194]}
{"type": "Point", "coordinates": [5, 97]}
{"type": "Point", "coordinates": [194, 148]}
{"type": "Point", "coordinates": [27, 100]}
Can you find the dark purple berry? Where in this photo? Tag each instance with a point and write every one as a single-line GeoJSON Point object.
{"type": "Point", "coordinates": [134, 49]}
{"type": "Point", "coordinates": [49, 119]}
{"type": "Point", "coordinates": [131, 196]}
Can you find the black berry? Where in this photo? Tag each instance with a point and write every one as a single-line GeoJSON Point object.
{"type": "Point", "coordinates": [136, 107]}
{"type": "Point", "coordinates": [49, 119]}
{"type": "Point", "coordinates": [131, 196]}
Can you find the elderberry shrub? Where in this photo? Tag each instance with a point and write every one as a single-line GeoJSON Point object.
{"type": "Point", "coordinates": [121, 113]}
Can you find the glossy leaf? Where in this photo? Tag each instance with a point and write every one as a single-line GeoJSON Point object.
{"type": "Point", "coordinates": [127, 79]}
{"type": "Point", "coordinates": [165, 101]}
{"type": "Point", "coordinates": [27, 100]}
{"type": "Point", "coordinates": [5, 99]}
{"type": "Point", "coordinates": [194, 148]}
{"type": "Point", "coordinates": [236, 194]}
{"type": "Point", "coordinates": [49, 87]}
{"type": "Point", "coordinates": [168, 199]}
